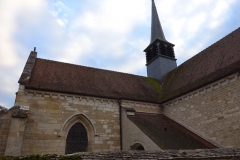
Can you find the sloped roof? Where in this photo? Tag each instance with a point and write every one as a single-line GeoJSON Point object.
{"type": "Point", "coordinates": [75, 79]}
{"type": "Point", "coordinates": [168, 134]}
{"type": "Point", "coordinates": [213, 63]}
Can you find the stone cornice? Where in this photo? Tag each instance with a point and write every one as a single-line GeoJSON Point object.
{"type": "Point", "coordinates": [127, 103]}
{"type": "Point", "coordinates": [79, 98]}
{"type": "Point", "coordinates": [63, 96]}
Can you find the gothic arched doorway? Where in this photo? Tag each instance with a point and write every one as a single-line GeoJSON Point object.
{"type": "Point", "coordinates": [77, 139]}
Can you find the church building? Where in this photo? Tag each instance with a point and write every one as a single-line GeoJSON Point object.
{"type": "Point", "coordinates": [63, 108]}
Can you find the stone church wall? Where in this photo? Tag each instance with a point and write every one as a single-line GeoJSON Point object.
{"type": "Point", "coordinates": [16, 132]}
{"type": "Point", "coordinates": [212, 112]}
{"type": "Point", "coordinates": [51, 115]}
{"type": "Point", "coordinates": [5, 121]}
{"type": "Point", "coordinates": [132, 135]}
{"type": "Point", "coordinates": [142, 106]}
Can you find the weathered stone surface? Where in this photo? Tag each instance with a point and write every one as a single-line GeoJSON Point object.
{"type": "Point", "coordinates": [208, 154]}
{"type": "Point", "coordinates": [49, 114]}
{"type": "Point", "coordinates": [15, 136]}
{"type": "Point", "coordinates": [211, 112]}
{"type": "Point", "coordinates": [28, 68]}
{"type": "Point", "coordinates": [19, 112]}
{"type": "Point", "coordinates": [142, 107]}
{"type": "Point", "coordinates": [131, 135]}
{"type": "Point", "coordinates": [5, 122]}
{"type": "Point", "coordinates": [3, 110]}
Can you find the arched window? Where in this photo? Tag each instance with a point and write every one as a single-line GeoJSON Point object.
{"type": "Point", "coordinates": [81, 121]}
{"type": "Point", "coordinates": [137, 146]}
{"type": "Point", "coordinates": [77, 139]}
{"type": "Point", "coordinates": [140, 148]}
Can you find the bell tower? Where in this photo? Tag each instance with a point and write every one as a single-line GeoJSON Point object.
{"type": "Point", "coordinates": [160, 57]}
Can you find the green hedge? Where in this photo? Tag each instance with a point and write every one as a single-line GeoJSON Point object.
{"type": "Point", "coordinates": [43, 157]}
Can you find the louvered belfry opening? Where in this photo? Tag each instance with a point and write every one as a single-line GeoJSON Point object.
{"type": "Point", "coordinates": [159, 48]}
{"type": "Point", "coordinates": [77, 139]}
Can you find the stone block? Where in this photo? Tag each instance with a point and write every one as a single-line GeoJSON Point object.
{"type": "Point", "coordinates": [105, 126]}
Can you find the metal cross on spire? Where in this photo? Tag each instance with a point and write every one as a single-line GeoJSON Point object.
{"type": "Point", "coordinates": [156, 30]}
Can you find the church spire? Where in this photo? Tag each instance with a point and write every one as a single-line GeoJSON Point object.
{"type": "Point", "coordinates": [156, 30]}
{"type": "Point", "coordinates": [160, 55]}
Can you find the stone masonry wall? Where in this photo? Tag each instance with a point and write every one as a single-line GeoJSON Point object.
{"type": "Point", "coordinates": [142, 106]}
{"type": "Point", "coordinates": [5, 122]}
{"type": "Point", "coordinates": [15, 137]}
{"type": "Point", "coordinates": [212, 112]}
{"type": "Point", "coordinates": [48, 112]}
{"type": "Point", "coordinates": [199, 154]}
{"type": "Point", "coordinates": [131, 135]}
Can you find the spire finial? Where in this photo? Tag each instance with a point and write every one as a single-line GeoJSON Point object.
{"type": "Point", "coordinates": [156, 30]}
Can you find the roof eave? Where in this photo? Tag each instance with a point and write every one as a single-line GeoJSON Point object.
{"type": "Point", "coordinates": [201, 85]}
{"type": "Point", "coordinates": [157, 39]}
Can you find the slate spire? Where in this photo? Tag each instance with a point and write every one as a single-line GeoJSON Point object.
{"type": "Point", "coordinates": [156, 29]}
{"type": "Point", "coordinates": [160, 55]}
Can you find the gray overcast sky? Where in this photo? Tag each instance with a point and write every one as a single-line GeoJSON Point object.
{"type": "Point", "coordinates": [107, 34]}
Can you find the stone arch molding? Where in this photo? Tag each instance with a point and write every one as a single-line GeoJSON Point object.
{"type": "Point", "coordinates": [78, 117]}
{"type": "Point", "coordinates": [136, 145]}
{"type": "Point", "coordinates": [85, 121]}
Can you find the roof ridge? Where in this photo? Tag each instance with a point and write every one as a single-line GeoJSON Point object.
{"type": "Point", "coordinates": [94, 68]}
{"type": "Point", "coordinates": [209, 46]}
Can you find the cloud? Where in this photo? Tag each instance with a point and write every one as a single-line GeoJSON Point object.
{"type": "Point", "coordinates": [219, 13]}
{"type": "Point", "coordinates": [196, 21]}
{"type": "Point", "coordinates": [60, 12]}
{"type": "Point", "coordinates": [194, 25]}
{"type": "Point", "coordinates": [104, 31]}
{"type": "Point", "coordinates": [11, 61]}
{"type": "Point", "coordinates": [7, 42]}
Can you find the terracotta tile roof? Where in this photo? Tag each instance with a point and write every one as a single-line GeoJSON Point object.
{"type": "Point", "coordinates": [213, 63]}
{"type": "Point", "coordinates": [68, 78]}
{"type": "Point", "coordinates": [168, 134]}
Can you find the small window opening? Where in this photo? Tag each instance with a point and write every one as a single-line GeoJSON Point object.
{"type": "Point", "coordinates": [138, 147]}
